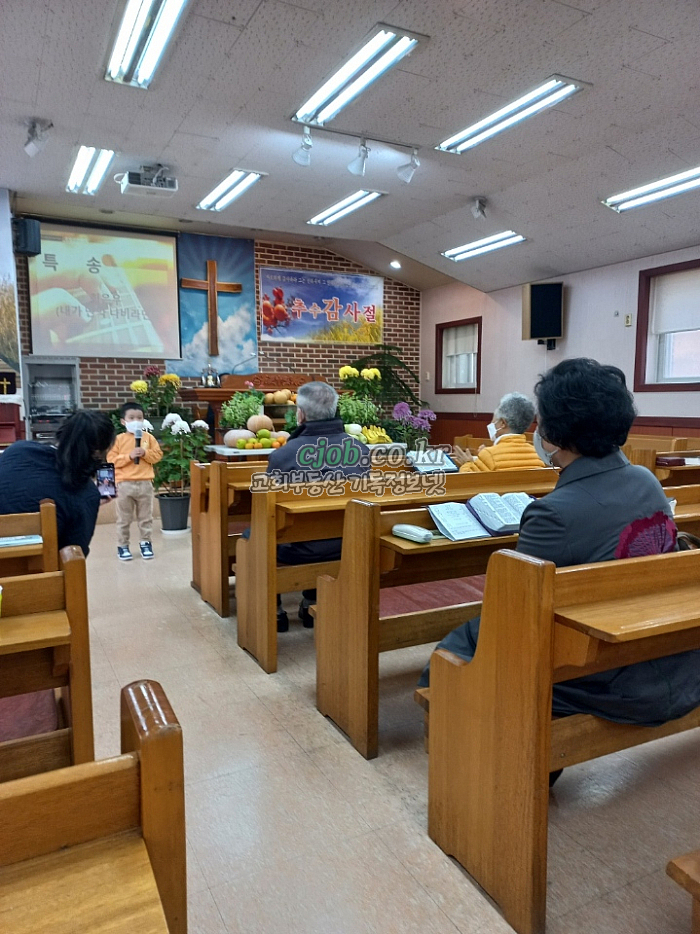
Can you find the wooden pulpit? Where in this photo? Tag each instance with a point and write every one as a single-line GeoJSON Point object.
{"type": "Point", "coordinates": [215, 396]}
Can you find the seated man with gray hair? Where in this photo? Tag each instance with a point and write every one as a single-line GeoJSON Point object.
{"type": "Point", "coordinates": [510, 450]}
{"type": "Point", "coordinates": [319, 446]}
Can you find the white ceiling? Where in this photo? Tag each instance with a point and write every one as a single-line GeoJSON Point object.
{"type": "Point", "coordinates": [240, 68]}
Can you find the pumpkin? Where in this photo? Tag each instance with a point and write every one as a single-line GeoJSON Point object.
{"type": "Point", "coordinates": [269, 398]}
{"type": "Point", "coordinates": [232, 437]}
{"type": "Point", "coordinates": [256, 422]}
{"type": "Point", "coordinates": [280, 397]}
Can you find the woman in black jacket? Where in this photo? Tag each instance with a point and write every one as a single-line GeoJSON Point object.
{"type": "Point", "coordinates": [30, 472]}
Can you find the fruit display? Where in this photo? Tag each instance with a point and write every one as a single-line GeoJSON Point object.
{"type": "Point", "coordinates": [280, 397]}
{"type": "Point", "coordinates": [232, 437]}
{"type": "Point", "coordinates": [261, 440]}
{"type": "Point", "coordinates": [376, 435]}
{"type": "Point", "coordinates": [256, 422]}
{"type": "Point", "coordinates": [355, 431]}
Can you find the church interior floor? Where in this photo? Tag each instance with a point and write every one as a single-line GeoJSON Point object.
{"type": "Point", "coordinates": [290, 831]}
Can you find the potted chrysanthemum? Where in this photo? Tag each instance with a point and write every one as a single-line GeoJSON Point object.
{"type": "Point", "coordinates": [156, 392]}
{"type": "Point", "coordinates": [181, 444]}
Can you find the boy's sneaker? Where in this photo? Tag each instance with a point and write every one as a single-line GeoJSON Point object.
{"type": "Point", "coordinates": [304, 615]}
{"type": "Point", "coordinates": [146, 549]}
{"type": "Point", "coordinates": [123, 553]}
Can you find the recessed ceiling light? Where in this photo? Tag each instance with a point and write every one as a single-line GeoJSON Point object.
{"type": "Point", "coordinates": [144, 32]}
{"type": "Point", "coordinates": [227, 191]}
{"type": "Point", "coordinates": [495, 242]}
{"type": "Point", "coordinates": [655, 191]}
{"type": "Point", "coordinates": [384, 47]}
{"type": "Point", "coordinates": [395, 264]}
{"type": "Point", "coordinates": [354, 201]}
{"type": "Point", "coordinates": [552, 92]}
{"type": "Point", "coordinates": [89, 170]}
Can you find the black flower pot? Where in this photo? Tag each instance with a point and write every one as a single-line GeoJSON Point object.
{"type": "Point", "coordinates": [174, 510]}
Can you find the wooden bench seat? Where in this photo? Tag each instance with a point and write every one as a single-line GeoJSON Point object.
{"type": "Point", "coordinates": [100, 847]}
{"type": "Point", "coordinates": [685, 870]}
{"type": "Point", "coordinates": [493, 740]}
{"type": "Point", "coordinates": [283, 516]}
{"type": "Point", "coordinates": [27, 558]}
{"type": "Point", "coordinates": [45, 645]}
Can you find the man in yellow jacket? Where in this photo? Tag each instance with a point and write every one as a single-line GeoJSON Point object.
{"type": "Point", "coordinates": [133, 454]}
{"type": "Point", "coordinates": [510, 450]}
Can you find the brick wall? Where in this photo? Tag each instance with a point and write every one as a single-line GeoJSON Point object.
{"type": "Point", "coordinates": [104, 381]}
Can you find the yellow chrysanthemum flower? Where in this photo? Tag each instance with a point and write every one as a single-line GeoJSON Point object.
{"type": "Point", "coordinates": [377, 374]}
{"type": "Point", "coordinates": [367, 374]}
{"type": "Point", "coordinates": [169, 378]}
{"type": "Point", "coordinates": [139, 385]}
{"type": "Point", "coordinates": [347, 371]}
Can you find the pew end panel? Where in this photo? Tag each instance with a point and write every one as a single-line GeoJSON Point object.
{"type": "Point", "coordinates": [489, 786]}
{"type": "Point", "coordinates": [685, 870]}
{"type": "Point", "coordinates": [110, 832]}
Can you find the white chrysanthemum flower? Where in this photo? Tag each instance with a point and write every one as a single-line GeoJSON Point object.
{"type": "Point", "coordinates": [180, 428]}
{"type": "Point", "coordinates": [147, 425]}
{"type": "Point", "coordinates": [200, 423]}
{"type": "Point", "coordinates": [170, 419]}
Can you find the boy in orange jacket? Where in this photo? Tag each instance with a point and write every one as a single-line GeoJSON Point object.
{"type": "Point", "coordinates": [134, 453]}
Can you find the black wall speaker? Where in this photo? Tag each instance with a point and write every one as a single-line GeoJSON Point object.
{"type": "Point", "coordinates": [543, 311]}
{"type": "Point", "coordinates": [27, 235]}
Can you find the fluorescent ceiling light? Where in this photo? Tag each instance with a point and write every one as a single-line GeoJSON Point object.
{"type": "Point", "coordinates": [385, 47]}
{"type": "Point", "coordinates": [554, 90]}
{"type": "Point", "coordinates": [93, 161]}
{"type": "Point", "coordinates": [357, 200]}
{"type": "Point", "coordinates": [507, 238]}
{"type": "Point", "coordinates": [227, 191]}
{"type": "Point", "coordinates": [144, 32]}
{"type": "Point", "coordinates": [655, 191]}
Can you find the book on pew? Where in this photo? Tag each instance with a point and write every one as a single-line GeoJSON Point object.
{"type": "Point", "coordinates": [431, 460]}
{"type": "Point", "coordinates": [16, 541]}
{"type": "Point", "coordinates": [483, 516]}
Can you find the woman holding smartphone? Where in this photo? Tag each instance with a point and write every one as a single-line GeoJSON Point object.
{"type": "Point", "coordinates": [30, 472]}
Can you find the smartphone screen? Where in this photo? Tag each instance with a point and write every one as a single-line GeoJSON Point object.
{"type": "Point", "coordinates": [105, 481]}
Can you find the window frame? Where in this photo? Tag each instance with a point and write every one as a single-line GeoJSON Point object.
{"type": "Point", "coordinates": [439, 332]}
{"type": "Point", "coordinates": [642, 344]}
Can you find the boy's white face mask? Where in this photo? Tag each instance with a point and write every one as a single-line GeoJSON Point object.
{"type": "Point", "coordinates": [134, 427]}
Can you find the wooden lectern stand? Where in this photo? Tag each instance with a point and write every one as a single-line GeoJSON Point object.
{"type": "Point", "coordinates": [215, 396]}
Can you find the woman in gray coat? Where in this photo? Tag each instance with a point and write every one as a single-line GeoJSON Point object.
{"type": "Point", "coordinates": [601, 508]}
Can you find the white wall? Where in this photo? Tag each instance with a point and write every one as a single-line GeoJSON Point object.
{"type": "Point", "coordinates": [591, 329]}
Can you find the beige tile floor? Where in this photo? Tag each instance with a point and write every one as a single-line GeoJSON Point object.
{"type": "Point", "coordinates": [290, 831]}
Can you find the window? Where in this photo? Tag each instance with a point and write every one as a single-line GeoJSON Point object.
{"type": "Point", "coordinates": [668, 329]}
{"type": "Point", "coordinates": [458, 356]}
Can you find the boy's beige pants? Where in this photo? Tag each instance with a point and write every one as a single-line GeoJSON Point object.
{"type": "Point", "coordinates": [134, 496]}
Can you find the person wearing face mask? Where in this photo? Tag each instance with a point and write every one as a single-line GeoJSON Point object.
{"type": "Point", "coordinates": [602, 508]}
{"type": "Point", "coordinates": [134, 453]}
{"type": "Point", "coordinates": [510, 450]}
{"type": "Point", "coordinates": [31, 472]}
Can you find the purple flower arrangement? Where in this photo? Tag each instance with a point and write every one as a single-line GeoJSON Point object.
{"type": "Point", "coordinates": [412, 428]}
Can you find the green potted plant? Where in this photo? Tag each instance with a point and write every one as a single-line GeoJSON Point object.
{"type": "Point", "coordinates": [236, 412]}
{"type": "Point", "coordinates": [181, 444]}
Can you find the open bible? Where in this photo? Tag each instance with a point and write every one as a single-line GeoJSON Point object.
{"type": "Point", "coordinates": [483, 515]}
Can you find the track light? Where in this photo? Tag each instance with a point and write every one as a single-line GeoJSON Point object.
{"type": "Point", "coordinates": [303, 154]}
{"type": "Point", "coordinates": [479, 208]}
{"type": "Point", "coordinates": [37, 137]}
{"type": "Point", "coordinates": [359, 163]}
{"type": "Point", "coordinates": [407, 171]}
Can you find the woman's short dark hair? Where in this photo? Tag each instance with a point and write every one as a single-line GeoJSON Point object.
{"type": "Point", "coordinates": [584, 406]}
{"type": "Point", "coordinates": [80, 438]}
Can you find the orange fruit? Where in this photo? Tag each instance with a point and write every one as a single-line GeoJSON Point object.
{"type": "Point", "coordinates": [275, 444]}
{"type": "Point", "coordinates": [257, 445]}
{"type": "Point", "coordinates": [250, 445]}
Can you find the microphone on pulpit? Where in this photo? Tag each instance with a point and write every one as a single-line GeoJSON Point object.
{"type": "Point", "coordinates": [137, 442]}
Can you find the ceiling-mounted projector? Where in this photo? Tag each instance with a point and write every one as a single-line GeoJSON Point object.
{"type": "Point", "coordinates": [150, 181]}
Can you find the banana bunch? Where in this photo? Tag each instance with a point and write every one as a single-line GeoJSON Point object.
{"type": "Point", "coordinates": [375, 435]}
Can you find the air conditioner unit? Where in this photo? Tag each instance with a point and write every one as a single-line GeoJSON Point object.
{"type": "Point", "coordinates": [140, 183]}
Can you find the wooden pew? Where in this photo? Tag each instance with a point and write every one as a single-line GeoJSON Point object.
{"type": "Point", "coordinates": [220, 510]}
{"type": "Point", "coordinates": [282, 516]}
{"type": "Point", "coordinates": [687, 513]}
{"type": "Point", "coordinates": [669, 472]}
{"type": "Point", "coordinates": [493, 741]}
{"type": "Point", "coordinates": [27, 559]}
{"type": "Point", "coordinates": [351, 633]}
{"type": "Point", "coordinates": [45, 643]}
{"type": "Point", "coordinates": [100, 847]}
{"type": "Point", "coordinates": [685, 870]}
